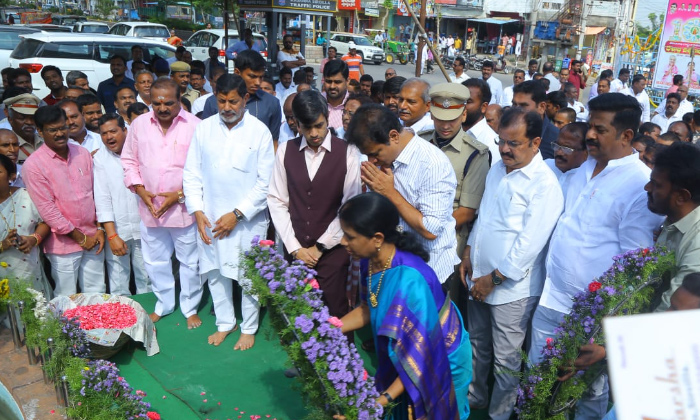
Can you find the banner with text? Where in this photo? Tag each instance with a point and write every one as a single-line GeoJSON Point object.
{"type": "Point", "coordinates": [679, 47]}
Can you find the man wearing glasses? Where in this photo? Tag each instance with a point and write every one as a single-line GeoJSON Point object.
{"type": "Point", "coordinates": [389, 73]}
{"type": "Point", "coordinates": [502, 264]}
{"type": "Point", "coordinates": [569, 152]}
{"type": "Point", "coordinates": [458, 75]}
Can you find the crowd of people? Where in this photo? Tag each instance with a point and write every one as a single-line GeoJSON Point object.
{"type": "Point", "coordinates": [457, 220]}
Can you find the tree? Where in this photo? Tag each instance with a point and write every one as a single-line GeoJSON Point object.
{"type": "Point", "coordinates": [388, 6]}
{"type": "Point", "coordinates": [656, 21]}
{"type": "Point", "coordinates": [104, 7]}
{"type": "Point", "coordinates": [643, 31]}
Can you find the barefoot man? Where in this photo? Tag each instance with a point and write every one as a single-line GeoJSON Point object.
{"type": "Point", "coordinates": [153, 159]}
{"type": "Point", "coordinates": [225, 180]}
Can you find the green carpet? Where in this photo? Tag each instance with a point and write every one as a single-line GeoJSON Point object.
{"type": "Point", "coordinates": [236, 385]}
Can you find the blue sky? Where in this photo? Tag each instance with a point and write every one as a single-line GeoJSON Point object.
{"type": "Point", "coordinates": [648, 6]}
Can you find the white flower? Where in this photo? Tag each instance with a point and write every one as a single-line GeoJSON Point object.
{"type": "Point", "coordinates": [41, 308]}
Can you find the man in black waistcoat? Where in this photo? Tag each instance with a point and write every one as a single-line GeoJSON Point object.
{"type": "Point", "coordinates": [314, 175]}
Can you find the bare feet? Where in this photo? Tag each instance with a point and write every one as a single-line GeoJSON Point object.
{"type": "Point", "coordinates": [154, 317]}
{"type": "Point", "coordinates": [219, 337]}
{"type": "Point", "coordinates": [245, 342]}
{"type": "Point", "coordinates": [193, 322]}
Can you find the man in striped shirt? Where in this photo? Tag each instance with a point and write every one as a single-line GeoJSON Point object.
{"type": "Point", "coordinates": [354, 62]}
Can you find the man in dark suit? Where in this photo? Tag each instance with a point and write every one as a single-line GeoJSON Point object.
{"type": "Point", "coordinates": [532, 96]}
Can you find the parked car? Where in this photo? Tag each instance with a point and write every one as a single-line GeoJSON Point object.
{"type": "Point", "coordinates": [198, 44]}
{"type": "Point", "coordinates": [91, 27]}
{"type": "Point", "coordinates": [364, 47]}
{"type": "Point", "coordinates": [154, 31]}
{"type": "Point", "coordinates": [88, 53]}
{"type": "Point", "coordinates": [67, 20]}
{"type": "Point", "coordinates": [49, 27]}
{"type": "Point", "coordinates": [9, 38]}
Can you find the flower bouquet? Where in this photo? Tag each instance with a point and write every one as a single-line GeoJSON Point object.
{"type": "Point", "coordinates": [334, 380]}
{"type": "Point", "coordinates": [109, 322]}
{"type": "Point", "coordinates": [632, 285]}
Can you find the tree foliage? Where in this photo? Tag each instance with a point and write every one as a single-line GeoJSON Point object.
{"type": "Point", "coordinates": [104, 7]}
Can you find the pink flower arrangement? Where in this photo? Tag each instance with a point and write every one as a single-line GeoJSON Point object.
{"type": "Point", "coordinates": [335, 321]}
{"type": "Point", "coordinates": [107, 315]}
{"type": "Point", "coordinates": [594, 285]}
{"type": "Point", "coordinates": [314, 283]}
{"type": "Point", "coordinates": [267, 242]}
{"type": "Point", "coordinates": [550, 341]}
{"type": "Point", "coordinates": [152, 415]}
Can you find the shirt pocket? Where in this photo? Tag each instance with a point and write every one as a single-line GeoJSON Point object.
{"type": "Point", "coordinates": [242, 159]}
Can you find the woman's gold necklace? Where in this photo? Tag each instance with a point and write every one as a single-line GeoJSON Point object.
{"type": "Point", "coordinates": [14, 214]}
{"type": "Point", "coordinates": [374, 297]}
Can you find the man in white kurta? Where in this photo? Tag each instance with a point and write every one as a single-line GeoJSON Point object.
{"type": "Point", "coordinates": [118, 211]}
{"type": "Point", "coordinates": [225, 181]}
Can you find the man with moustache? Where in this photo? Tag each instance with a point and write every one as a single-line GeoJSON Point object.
{"type": "Point", "coordinates": [123, 98]}
{"type": "Point", "coordinates": [475, 123]}
{"type": "Point", "coordinates": [225, 181]}
{"type": "Point", "coordinates": [518, 78]}
{"type": "Point", "coordinates": [414, 107]}
{"type": "Point", "coordinates": [9, 146]}
{"type": "Point", "coordinates": [156, 177]}
{"type": "Point", "coordinates": [569, 152]}
{"type": "Point", "coordinates": [670, 115]}
{"type": "Point", "coordinates": [605, 215]}
{"type": "Point", "coordinates": [142, 83]}
{"type": "Point", "coordinates": [502, 263]}
{"type": "Point", "coordinates": [531, 96]}
{"type": "Point", "coordinates": [79, 135]}
{"type": "Point", "coordinates": [118, 211]}
{"type": "Point", "coordinates": [108, 88]}
{"type": "Point", "coordinates": [335, 83]}
{"type": "Point", "coordinates": [288, 130]}
{"type": "Point", "coordinates": [54, 81]}
{"type": "Point", "coordinates": [59, 180]}
{"type": "Point", "coordinates": [180, 73]}
{"type": "Point", "coordinates": [315, 174]}
{"type": "Point", "coordinates": [390, 93]}
{"type": "Point", "coordinates": [91, 108]}
{"type": "Point", "coordinates": [20, 111]}
{"type": "Point", "coordinates": [250, 65]}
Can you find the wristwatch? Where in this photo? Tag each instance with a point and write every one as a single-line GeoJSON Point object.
{"type": "Point", "coordinates": [238, 214]}
{"type": "Point", "coordinates": [180, 197]}
{"type": "Point", "coordinates": [322, 248]}
{"type": "Point", "coordinates": [496, 279]}
{"type": "Point", "coordinates": [388, 397]}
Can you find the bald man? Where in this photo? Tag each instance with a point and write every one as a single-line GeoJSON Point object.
{"type": "Point", "coordinates": [288, 130]}
{"type": "Point", "coordinates": [493, 116]}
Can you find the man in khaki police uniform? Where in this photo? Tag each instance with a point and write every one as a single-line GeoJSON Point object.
{"type": "Point", "coordinates": [470, 160]}
{"type": "Point", "coordinates": [180, 73]}
{"type": "Point", "coordinates": [20, 111]}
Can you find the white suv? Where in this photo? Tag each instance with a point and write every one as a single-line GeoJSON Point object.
{"type": "Point", "coordinates": [198, 44]}
{"type": "Point", "coordinates": [364, 47]}
{"type": "Point", "coordinates": [154, 31]}
{"type": "Point", "coordinates": [83, 52]}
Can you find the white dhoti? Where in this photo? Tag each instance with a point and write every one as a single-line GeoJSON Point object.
{"type": "Point", "coordinates": [119, 269]}
{"type": "Point", "coordinates": [83, 267]}
{"type": "Point", "coordinates": [158, 244]}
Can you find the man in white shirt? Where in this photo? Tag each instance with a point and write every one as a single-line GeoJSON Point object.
{"type": "Point", "coordinates": [548, 72]}
{"type": "Point", "coordinates": [313, 176]}
{"type": "Point", "coordinates": [670, 114]}
{"type": "Point", "coordinates": [494, 84]}
{"type": "Point", "coordinates": [198, 105]}
{"type": "Point", "coordinates": [518, 78]}
{"type": "Point", "coordinates": [285, 86]}
{"type": "Point", "coordinates": [225, 182]}
{"type": "Point", "coordinates": [569, 152]}
{"type": "Point", "coordinates": [415, 175]}
{"type": "Point", "coordinates": [414, 106]}
{"type": "Point", "coordinates": [458, 75]}
{"type": "Point", "coordinates": [79, 135]}
{"type": "Point", "coordinates": [475, 123]}
{"type": "Point", "coordinates": [620, 85]}
{"type": "Point", "coordinates": [118, 211]}
{"type": "Point", "coordinates": [136, 55]}
{"type": "Point", "coordinates": [605, 215]}
{"type": "Point", "coordinates": [684, 107]}
{"type": "Point", "coordinates": [571, 94]}
{"type": "Point", "coordinates": [288, 130]}
{"type": "Point", "coordinates": [288, 57]}
{"type": "Point", "coordinates": [639, 82]}
{"type": "Point", "coordinates": [532, 67]}
{"type": "Point", "coordinates": [504, 258]}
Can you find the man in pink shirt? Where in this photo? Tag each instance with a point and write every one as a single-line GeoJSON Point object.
{"type": "Point", "coordinates": [153, 158]}
{"type": "Point", "coordinates": [59, 180]}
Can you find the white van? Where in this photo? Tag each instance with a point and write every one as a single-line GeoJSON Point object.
{"type": "Point", "coordinates": [154, 31]}
{"type": "Point", "coordinates": [83, 52]}
{"type": "Point", "coordinates": [198, 44]}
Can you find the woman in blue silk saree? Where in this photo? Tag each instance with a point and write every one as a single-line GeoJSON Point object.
{"type": "Point", "coordinates": [423, 351]}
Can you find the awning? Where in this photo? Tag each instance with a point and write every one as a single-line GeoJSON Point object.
{"type": "Point", "coordinates": [454, 13]}
{"type": "Point", "coordinates": [495, 21]}
{"type": "Point", "coordinates": [595, 30]}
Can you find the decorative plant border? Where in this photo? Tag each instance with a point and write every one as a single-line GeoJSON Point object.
{"type": "Point", "coordinates": [632, 285]}
{"type": "Point", "coordinates": [333, 379]}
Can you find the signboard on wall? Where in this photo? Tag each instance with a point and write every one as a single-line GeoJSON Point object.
{"type": "Point", "coordinates": [415, 6]}
{"type": "Point", "coordinates": [348, 4]}
{"type": "Point", "coordinates": [679, 48]}
{"type": "Point", "coordinates": [307, 5]}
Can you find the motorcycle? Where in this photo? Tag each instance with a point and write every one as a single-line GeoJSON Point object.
{"type": "Point", "coordinates": [500, 64]}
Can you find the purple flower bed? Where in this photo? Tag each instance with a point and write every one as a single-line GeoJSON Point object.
{"type": "Point", "coordinates": [333, 377]}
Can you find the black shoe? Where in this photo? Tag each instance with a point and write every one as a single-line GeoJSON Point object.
{"type": "Point", "coordinates": [292, 372]}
